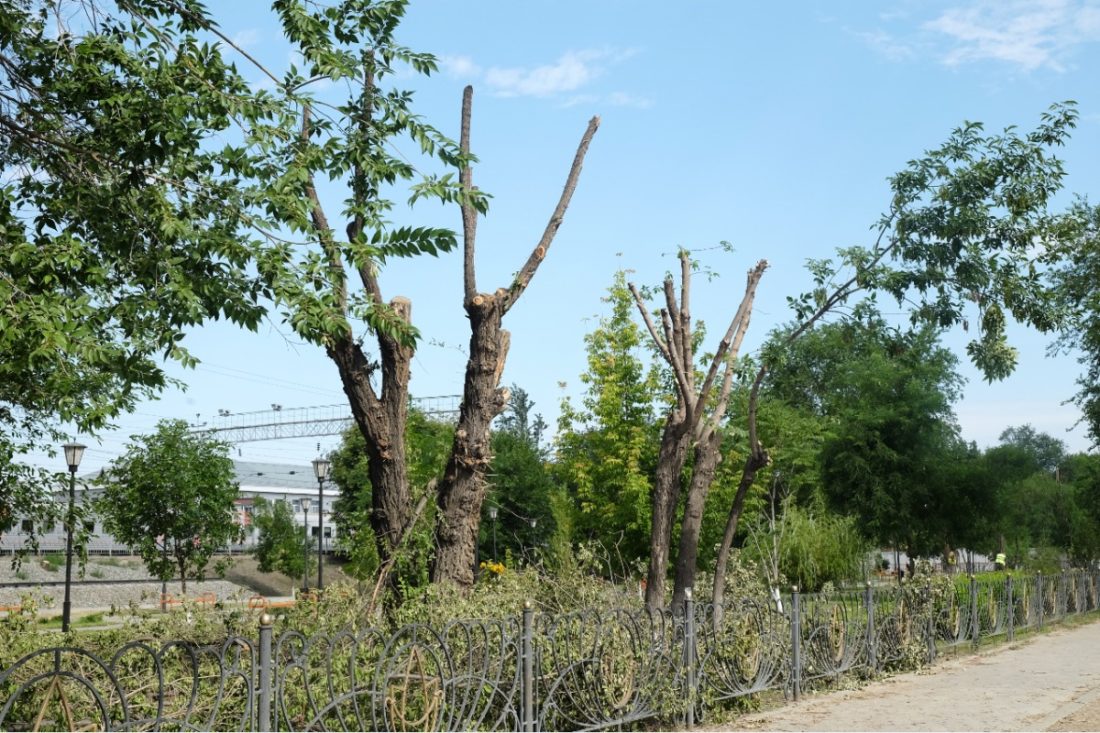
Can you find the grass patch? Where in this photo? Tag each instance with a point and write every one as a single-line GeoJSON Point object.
{"type": "Point", "coordinates": [53, 561]}
{"type": "Point", "coordinates": [54, 622]}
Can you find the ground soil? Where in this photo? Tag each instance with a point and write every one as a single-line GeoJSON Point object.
{"type": "Point", "coordinates": [1049, 681]}
{"type": "Point", "coordinates": [244, 572]}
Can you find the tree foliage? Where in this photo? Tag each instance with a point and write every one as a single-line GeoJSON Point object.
{"type": "Point", "coordinates": [281, 545]}
{"type": "Point", "coordinates": [171, 497]}
{"type": "Point", "coordinates": [521, 485]}
{"type": "Point", "coordinates": [119, 213]}
{"type": "Point", "coordinates": [606, 446]}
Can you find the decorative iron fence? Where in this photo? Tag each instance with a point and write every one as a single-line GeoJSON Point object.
{"type": "Point", "coordinates": [588, 670]}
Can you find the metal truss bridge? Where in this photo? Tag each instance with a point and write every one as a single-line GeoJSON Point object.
{"type": "Point", "coordinates": [308, 422]}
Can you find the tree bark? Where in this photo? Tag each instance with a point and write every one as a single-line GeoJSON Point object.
{"type": "Point", "coordinates": [675, 441]}
{"type": "Point", "coordinates": [758, 458]}
{"type": "Point", "coordinates": [707, 458]}
{"type": "Point", "coordinates": [462, 489]}
{"type": "Point", "coordinates": [381, 420]}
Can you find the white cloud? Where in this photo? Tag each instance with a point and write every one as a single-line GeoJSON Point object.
{"type": "Point", "coordinates": [568, 80]}
{"type": "Point", "coordinates": [462, 67]}
{"type": "Point", "coordinates": [624, 99]}
{"type": "Point", "coordinates": [572, 71]}
{"type": "Point", "coordinates": [247, 37]}
{"type": "Point", "coordinates": [1029, 34]}
{"type": "Point", "coordinates": [886, 44]}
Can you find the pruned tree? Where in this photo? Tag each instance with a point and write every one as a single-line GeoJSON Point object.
{"type": "Point", "coordinates": [462, 490]}
{"type": "Point", "coordinates": [329, 286]}
{"type": "Point", "coordinates": [964, 222]}
{"type": "Point", "coordinates": [692, 423]}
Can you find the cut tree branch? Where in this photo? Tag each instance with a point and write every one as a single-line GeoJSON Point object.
{"type": "Point", "coordinates": [469, 213]}
{"type": "Point", "coordinates": [523, 278]}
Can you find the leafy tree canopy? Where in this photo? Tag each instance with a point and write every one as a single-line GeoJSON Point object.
{"type": "Point", "coordinates": [281, 545]}
{"type": "Point", "coordinates": [119, 213]}
{"type": "Point", "coordinates": [171, 497]}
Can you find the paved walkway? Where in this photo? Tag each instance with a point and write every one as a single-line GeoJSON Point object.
{"type": "Point", "coordinates": [1049, 681]}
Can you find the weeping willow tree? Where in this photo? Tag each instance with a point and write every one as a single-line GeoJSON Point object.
{"type": "Point", "coordinates": [806, 547]}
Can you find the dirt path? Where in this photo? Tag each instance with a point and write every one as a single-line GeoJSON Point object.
{"type": "Point", "coordinates": [1050, 681]}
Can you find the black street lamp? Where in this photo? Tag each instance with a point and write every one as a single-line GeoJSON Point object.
{"type": "Point", "coordinates": [320, 470]}
{"type": "Point", "coordinates": [493, 516]}
{"type": "Point", "coordinates": [305, 545]}
{"type": "Point", "coordinates": [73, 453]}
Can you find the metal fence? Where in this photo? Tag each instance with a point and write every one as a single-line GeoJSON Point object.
{"type": "Point", "coordinates": [588, 670]}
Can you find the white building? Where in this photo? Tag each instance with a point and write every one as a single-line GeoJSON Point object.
{"type": "Point", "coordinates": [272, 481]}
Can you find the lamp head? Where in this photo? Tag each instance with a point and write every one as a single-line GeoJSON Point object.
{"type": "Point", "coordinates": [73, 453]}
{"type": "Point", "coordinates": [320, 468]}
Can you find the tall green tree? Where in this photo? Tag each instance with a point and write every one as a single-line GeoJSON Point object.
{"type": "Point", "coordinates": [887, 395]}
{"type": "Point", "coordinates": [171, 497]}
{"type": "Point", "coordinates": [521, 485]}
{"type": "Point", "coordinates": [280, 545]}
{"type": "Point", "coordinates": [119, 214]}
{"type": "Point", "coordinates": [1073, 275]}
{"type": "Point", "coordinates": [957, 243]}
{"type": "Point", "coordinates": [606, 445]}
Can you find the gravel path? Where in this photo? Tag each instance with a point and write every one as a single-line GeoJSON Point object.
{"type": "Point", "coordinates": [143, 589]}
{"type": "Point", "coordinates": [1050, 681]}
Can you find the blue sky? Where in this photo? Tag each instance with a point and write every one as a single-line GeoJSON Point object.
{"type": "Point", "coordinates": [772, 126]}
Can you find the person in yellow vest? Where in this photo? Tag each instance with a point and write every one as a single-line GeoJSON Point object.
{"type": "Point", "coordinates": [999, 561]}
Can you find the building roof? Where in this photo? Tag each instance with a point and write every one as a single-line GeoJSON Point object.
{"type": "Point", "coordinates": [258, 476]}
{"type": "Point", "coordinates": [253, 475]}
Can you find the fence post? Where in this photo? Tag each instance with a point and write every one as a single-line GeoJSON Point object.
{"type": "Point", "coordinates": [1062, 597]}
{"type": "Point", "coordinates": [872, 638]}
{"type": "Point", "coordinates": [527, 711]}
{"type": "Point", "coordinates": [266, 691]}
{"type": "Point", "coordinates": [975, 622]}
{"type": "Point", "coordinates": [930, 632]}
{"type": "Point", "coordinates": [1041, 601]}
{"type": "Point", "coordinates": [796, 645]}
{"type": "Point", "coordinates": [689, 656]}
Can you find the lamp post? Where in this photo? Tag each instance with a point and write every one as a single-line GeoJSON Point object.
{"type": "Point", "coordinates": [305, 545]}
{"type": "Point", "coordinates": [320, 470]}
{"type": "Point", "coordinates": [73, 453]}
{"type": "Point", "coordinates": [493, 515]}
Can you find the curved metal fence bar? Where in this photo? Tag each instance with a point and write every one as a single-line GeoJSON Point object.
{"type": "Point", "coordinates": [952, 615]}
{"type": "Point", "coordinates": [606, 669]}
{"type": "Point", "coordinates": [901, 626]}
{"type": "Point", "coordinates": [992, 608]}
{"type": "Point", "coordinates": [742, 651]}
{"type": "Point", "coordinates": [587, 670]}
{"type": "Point", "coordinates": [178, 686]}
{"type": "Point", "coordinates": [834, 635]}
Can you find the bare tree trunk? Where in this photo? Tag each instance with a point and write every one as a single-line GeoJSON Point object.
{"type": "Point", "coordinates": [758, 458]}
{"type": "Point", "coordinates": [695, 418]}
{"type": "Point", "coordinates": [462, 490]}
{"type": "Point", "coordinates": [463, 487]}
{"type": "Point", "coordinates": [381, 420]}
{"type": "Point", "coordinates": [666, 495]}
{"type": "Point", "coordinates": [707, 458]}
